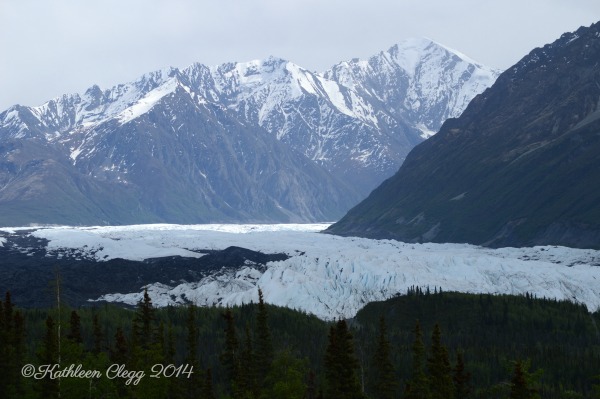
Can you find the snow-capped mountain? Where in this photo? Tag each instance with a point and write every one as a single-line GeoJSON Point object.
{"type": "Point", "coordinates": [418, 81]}
{"type": "Point", "coordinates": [329, 276]}
{"type": "Point", "coordinates": [256, 141]}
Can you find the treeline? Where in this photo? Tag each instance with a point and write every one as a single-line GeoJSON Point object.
{"type": "Point", "coordinates": [427, 344]}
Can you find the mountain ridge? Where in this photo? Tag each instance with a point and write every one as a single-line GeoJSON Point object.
{"type": "Point", "coordinates": [339, 142]}
{"type": "Point", "coordinates": [515, 169]}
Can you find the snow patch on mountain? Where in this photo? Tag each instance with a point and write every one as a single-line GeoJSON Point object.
{"type": "Point", "coordinates": [425, 132]}
{"type": "Point", "coordinates": [75, 153]}
{"type": "Point", "coordinates": [146, 103]}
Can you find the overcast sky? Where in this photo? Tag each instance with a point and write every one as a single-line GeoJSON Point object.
{"type": "Point", "coordinates": [52, 47]}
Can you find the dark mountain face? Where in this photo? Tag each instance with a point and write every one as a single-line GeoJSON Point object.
{"type": "Point", "coordinates": [519, 167]}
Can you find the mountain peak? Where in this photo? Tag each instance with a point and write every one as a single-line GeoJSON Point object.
{"type": "Point", "coordinates": [412, 43]}
{"type": "Point", "coordinates": [270, 67]}
{"type": "Point", "coordinates": [518, 167]}
{"type": "Point", "coordinates": [93, 91]}
{"type": "Point", "coordinates": [275, 61]}
{"type": "Point", "coordinates": [411, 52]}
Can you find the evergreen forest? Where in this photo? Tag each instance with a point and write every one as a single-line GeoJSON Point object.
{"type": "Point", "coordinates": [425, 344]}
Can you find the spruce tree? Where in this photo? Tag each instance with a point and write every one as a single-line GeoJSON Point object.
{"type": "Point", "coordinates": [440, 370]}
{"type": "Point", "coordinates": [230, 357]}
{"type": "Point", "coordinates": [72, 352]}
{"type": "Point", "coordinates": [247, 371]}
{"type": "Point", "coordinates": [18, 355]}
{"type": "Point", "coordinates": [143, 322]}
{"type": "Point", "coordinates": [49, 351]}
{"type": "Point", "coordinates": [418, 385]}
{"type": "Point", "coordinates": [461, 378]}
{"type": "Point", "coordinates": [147, 349]}
{"type": "Point", "coordinates": [175, 386]}
{"type": "Point", "coordinates": [192, 337]}
{"type": "Point", "coordinates": [518, 385]}
{"type": "Point", "coordinates": [12, 350]}
{"type": "Point", "coordinates": [48, 355]}
{"type": "Point", "coordinates": [264, 344]}
{"type": "Point", "coordinates": [74, 334]}
{"type": "Point", "coordinates": [120, 352]}
{"type": "Point", "coordinates": [194, 383]}
{"type": "Point", "coordinates": [384, 384]}
{"type": "Point", "coordinates": [521, 386]}
{"type": "Point", "coordinates": [341, 364]}
{"type": "Point", "coordinates": [332, 372]}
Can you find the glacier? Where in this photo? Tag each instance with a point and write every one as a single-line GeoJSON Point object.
{"type": "Point", "coordinates": [325, 275]}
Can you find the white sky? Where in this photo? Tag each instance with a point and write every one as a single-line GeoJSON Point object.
{"type": "Point", "coordinates": [53, 47]}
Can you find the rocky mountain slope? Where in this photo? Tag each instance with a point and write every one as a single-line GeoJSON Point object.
{"type": "Point", "coordinates": [256, 141]}
{"type": "Point", "coordinates": [519, 167]}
